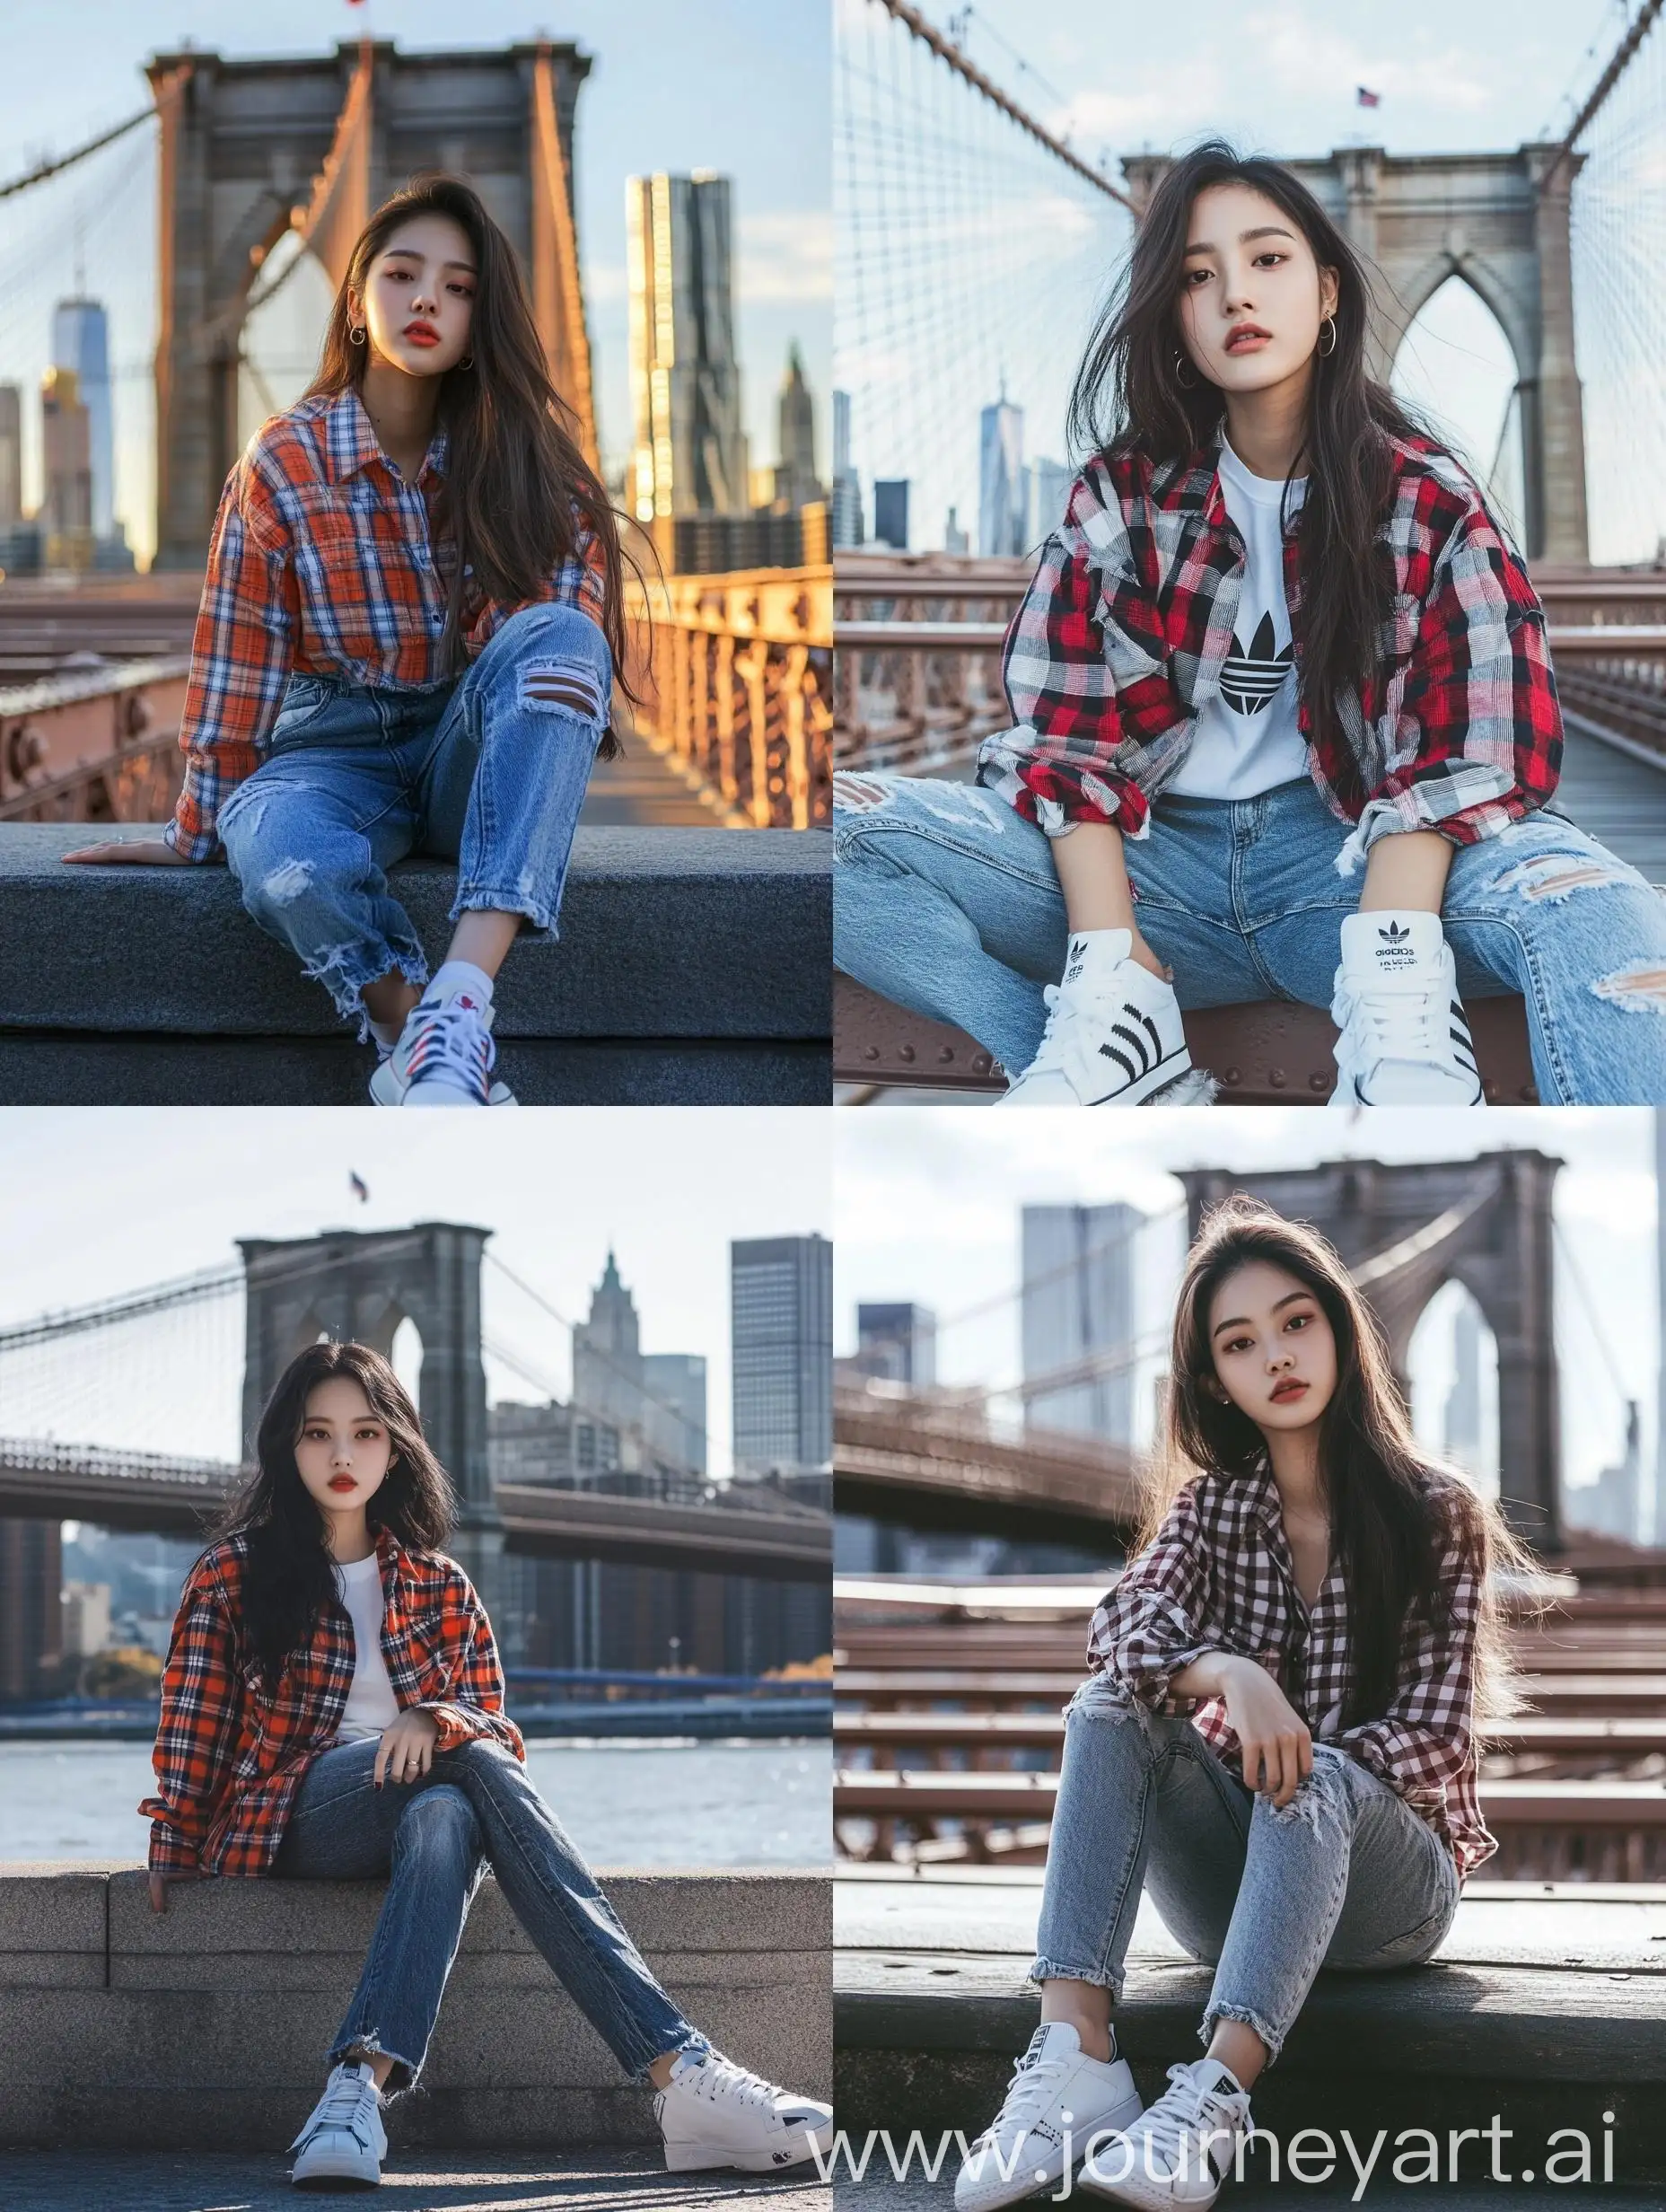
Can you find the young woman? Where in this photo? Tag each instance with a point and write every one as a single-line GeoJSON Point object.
{"type": "Point", "coordinates": [333, 1707]}
{"type": "Point", "coordinates": [409, 633]}
{"type": "Point", "coordinates": [1278, 634]}
{"type": "Point", "coordinates": [1278, 1734]}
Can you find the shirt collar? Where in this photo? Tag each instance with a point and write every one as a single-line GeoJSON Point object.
{"type": "Point", "coordinates": [351, 444]}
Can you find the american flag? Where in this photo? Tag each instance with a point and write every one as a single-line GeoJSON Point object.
{"type": "Point", "coordinates": [359, 1187]}
{"type": "Point", "coordinates": [1367, 98]}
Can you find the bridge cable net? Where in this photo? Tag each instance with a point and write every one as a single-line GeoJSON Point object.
{"type": "Point", "coordinates": [1618, 226]}
{"type": "Point", "coordinates": [970, 259]}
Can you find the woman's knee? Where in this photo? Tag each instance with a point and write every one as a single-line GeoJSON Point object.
{"type": "Point", "coordinates": [440, 1818]}
{"type": "Point", "coordinates": [563, 665]}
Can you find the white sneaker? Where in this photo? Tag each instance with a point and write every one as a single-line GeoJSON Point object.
{"type": "Point", "coordinates": [444, 1056]}
{"type": "Point", "coordinates": [344, 2139]}
{"type": "Point", "coordinates": [1404, 1039]}
{"type": "Point", "coordinates": [714, 2114]}
{"type": "Point", "coordinates": [1056, 2090]}
{"type": "Point", "coordinates": [1181, 2149]}
{"type": "Point", "coordinates": [1113, 1032]}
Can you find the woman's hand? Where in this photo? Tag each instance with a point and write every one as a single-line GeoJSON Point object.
{"type": "Point", "coordinates": [159, 1886]}
{"type": "Point", "coordinates": [406, 1752]}
{"type": "Point", "coordinates": [131, 852]}
{"type": "Point", "coordinates": [1270, 1732]}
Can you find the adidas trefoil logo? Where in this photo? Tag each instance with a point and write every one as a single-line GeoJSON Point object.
{"type": "Point", "coordinates": [1394, 934]}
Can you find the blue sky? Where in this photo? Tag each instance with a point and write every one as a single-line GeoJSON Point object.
{"type": "Point", "coordinates": [100, 1202]}
{"type": "Point", "coordinates": [1275, 78]}
{"type": "Point", "coordinates": [736, 86]}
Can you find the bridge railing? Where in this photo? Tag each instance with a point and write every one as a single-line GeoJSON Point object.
{"type": "Point", "coordinates": [94, 744]}
{"type": "Point", "coordinates": [741, 690]}
{"type": "Point", "coordinates": [25, 1455]}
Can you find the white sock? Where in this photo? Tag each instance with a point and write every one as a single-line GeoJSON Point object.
{"type": "Point", "coordinates": [461, 975]}
{"type": "Point", "coordinates": [387, 1033]}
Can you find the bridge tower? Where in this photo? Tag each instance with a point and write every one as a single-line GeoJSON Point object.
{"type": "Point", "coordinates": [1500, 222]}
{"type": "Point", "coordinates": [1484, 1222]}
{"type": "Point", "coordinates": [252, 149]}
{"type": "Point", "coordinates": [360, 1285]}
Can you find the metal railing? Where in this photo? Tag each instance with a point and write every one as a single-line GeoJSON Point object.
{"type": "Point", "coordinates": [740, 692]}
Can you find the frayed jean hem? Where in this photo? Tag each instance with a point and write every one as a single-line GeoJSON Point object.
{"type": "Point", "coordinates": [1096, 1977]}
{"type": "Point", "coordinates": [345, 977]}
{"type": "Point", "coordinates": [402, 2076]}
{"type": "Point", "coordinates": [473, 900]}
{"type": "Point", "coordinates": [1247, 2018]}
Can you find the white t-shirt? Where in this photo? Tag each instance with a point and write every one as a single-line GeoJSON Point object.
{"type": "Point", "coordinates": [1247, 739]}
{"type": "Point", "coordinates": [371, 1705]}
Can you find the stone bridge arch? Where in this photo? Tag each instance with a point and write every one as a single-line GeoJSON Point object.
{"type": "Point", "coordinates": [1499, 222]}
{"type": "Point", "coordinates": [1407, 1229]}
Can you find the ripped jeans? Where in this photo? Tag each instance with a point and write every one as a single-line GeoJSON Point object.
{"type": "Point", "coordinates": [489, 770]}
{"type": "Point", "coordinates": [1345, 1875]}
{"type": "Point", "coordinates": [947, 903]}
{"type": "Point", "coordinates": [432, 1840]}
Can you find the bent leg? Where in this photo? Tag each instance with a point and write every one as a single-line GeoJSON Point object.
{"type": "Point", "coordinates": [1298, 1871]}
{"type": "Point", "coordinates": [307, 837]}
{"type": "Point", "coordinates": [559, 1904]}
{"type": "Point", "coordinates": [1546, 911]}
{"type": "Point", "coordinates": [505, 778]}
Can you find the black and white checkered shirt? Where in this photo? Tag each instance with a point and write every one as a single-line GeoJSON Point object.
{"type": "Point", "coordinates": [1218, 1575]}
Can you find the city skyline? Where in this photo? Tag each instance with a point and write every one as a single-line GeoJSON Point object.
{"type": "Point", "coordinates": [667, 1191]}
{"type": "Point", "coordinates": [634, 115]}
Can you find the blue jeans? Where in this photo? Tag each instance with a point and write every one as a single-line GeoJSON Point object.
{"type": "Point", "coordinates": [482, 769]}
{"type": "Point", "coordinates": [948, 902]}
{"type": "Point", "coordinates": [432, 1840]}
{"type": "Point", "coordinates": [1345, 1875]}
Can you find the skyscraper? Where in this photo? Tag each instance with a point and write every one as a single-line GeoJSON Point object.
{"type": "Point", "coordinates": [11, 456]}
{"type": "Point", "coordinates": [689, 451]}
{"type": "Point", "coordinates": [796, 481]}
{"type": "Point", "coordinates": [897, 1343]}
{"type": "Point", "coordinates": [891, 513]}
{"type": "Point", "coordinates": [67, 509]}
{"type": "Point", "coordinates": [1078, 1302]}
{"type": "Point", "coordinates": [656, 1400]}
{"type": "Point", "coordinates": [1000, 491]}
{"type": "Point", "coordinates": [781, 1324]}
{"type": "Point", "coordinates": [1047, 483]}
{"type": "Point", "coordinates": [80, 342]}
{"type": "Point", "coordinates": [847, 483]}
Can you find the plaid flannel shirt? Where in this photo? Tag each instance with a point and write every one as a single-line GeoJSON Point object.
{"type": "Point", "coordinates": [321, 563]}
{"type": "Point", "coordinates": [232, 1748]}
{"type": "Point", "coordinates": [1218, 1575]}
{"type": "Point", "coordinates": [1120, 642]}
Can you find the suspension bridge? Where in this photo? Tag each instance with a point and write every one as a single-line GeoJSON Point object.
{"type": "Point", "coordinates": [258, 176]}
{"type": "Point", "coordinates": [975, 247]}
{"type": "Point", "coordinates": [101, 1409]}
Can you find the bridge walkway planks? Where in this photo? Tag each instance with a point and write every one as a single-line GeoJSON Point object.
{"type": "Point", "coordinates": [1619, 798]}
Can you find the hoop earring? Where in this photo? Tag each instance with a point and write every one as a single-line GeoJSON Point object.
{"type": "Point", "coordinates": [1181, 365]}
{"type": "Point", "coordinates": [466, 362]}
{"type": "Point", "coordinates": [1325, 351]}
{"type": "Point", "coordinates": [355, 334]}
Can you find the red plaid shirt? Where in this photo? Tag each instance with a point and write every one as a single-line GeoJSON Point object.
{"type": "Point", "coordinates": [1122, 639]}
{"type": "Point", "coordinates": [1218, 1575]}
{"type": "Point", "coordinates": [231, 1752]}
{"type": "Point", "coordinates": [321, 563]}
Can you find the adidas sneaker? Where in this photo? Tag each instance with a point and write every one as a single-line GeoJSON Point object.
{"type": "Point", "coordinates": [1180, 2150]}
{"type": "Point", "coordinates": [1403, 1037]}
{"type": "Point", "coordinates": [1057, 2099]}
{"type": "Point", "coordinates": [1113, 1035]}
{"type": "Point", "coordinates": [713, 2112]}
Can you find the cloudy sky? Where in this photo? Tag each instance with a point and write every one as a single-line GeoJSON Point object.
{"type": "Point", "coordinates": [740, 86]}
{"type": "Point", "coordinates": [97, 1203]}
{"type": "Point", "coordinates": [928, 1210]}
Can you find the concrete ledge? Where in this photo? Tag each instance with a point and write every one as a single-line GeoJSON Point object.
{"type": "Point", "coordinates": [670, 938]}
{"type": "Point", "coordinates": [206, 2028]}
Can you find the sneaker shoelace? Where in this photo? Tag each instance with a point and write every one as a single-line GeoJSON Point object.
{"type": "Point", "coordinates": [1179, 2114]}
{"type": "Point", "coordinates": [723, 2081]}
{"type": "Point", "coordinates": [1058, 1012]}
{"type": "Point", "coordinates": [1034, 2085]}
{"type": "Point", "coordinates": [343, 2104]}
{"type": "Point", "coordinates": [452, 1039]}
{"type": "Point", "coordinates": [1397, 1021]}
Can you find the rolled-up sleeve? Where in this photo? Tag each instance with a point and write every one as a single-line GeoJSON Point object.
{"type": "Point", "coordinates": [1473, 731]}
{"type": "Point", "coordinates": [473, 1705]}
{"type": "Point", "coordinates": [1158, 1618]}
{"type": "Point", "coordinates": [197, 1729]}
{"type": "Point", "coordinates": [242, 651]}
{"type": "Point", "coordinates": [1064, 666]}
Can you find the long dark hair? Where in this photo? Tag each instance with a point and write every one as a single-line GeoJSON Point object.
{"type": "Point", "coordinates": [513, 471]}
{"type": "Point", "coordinates": [1128, 397]}
{"type": "Point", "coordinates": [288, 1581]}
{"type": "Point", "coordinates": [1392, 1510]}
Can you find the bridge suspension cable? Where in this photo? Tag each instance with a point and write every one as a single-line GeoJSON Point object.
{"type": "Point", "coordinates": [973, 245]}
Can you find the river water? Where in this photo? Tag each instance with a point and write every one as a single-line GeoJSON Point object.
{"type": "Point", "coordinates": [622, 1803]}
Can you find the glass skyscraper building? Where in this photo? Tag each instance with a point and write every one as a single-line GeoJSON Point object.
{"type": "Point", "coordinates": [781, 1321]}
